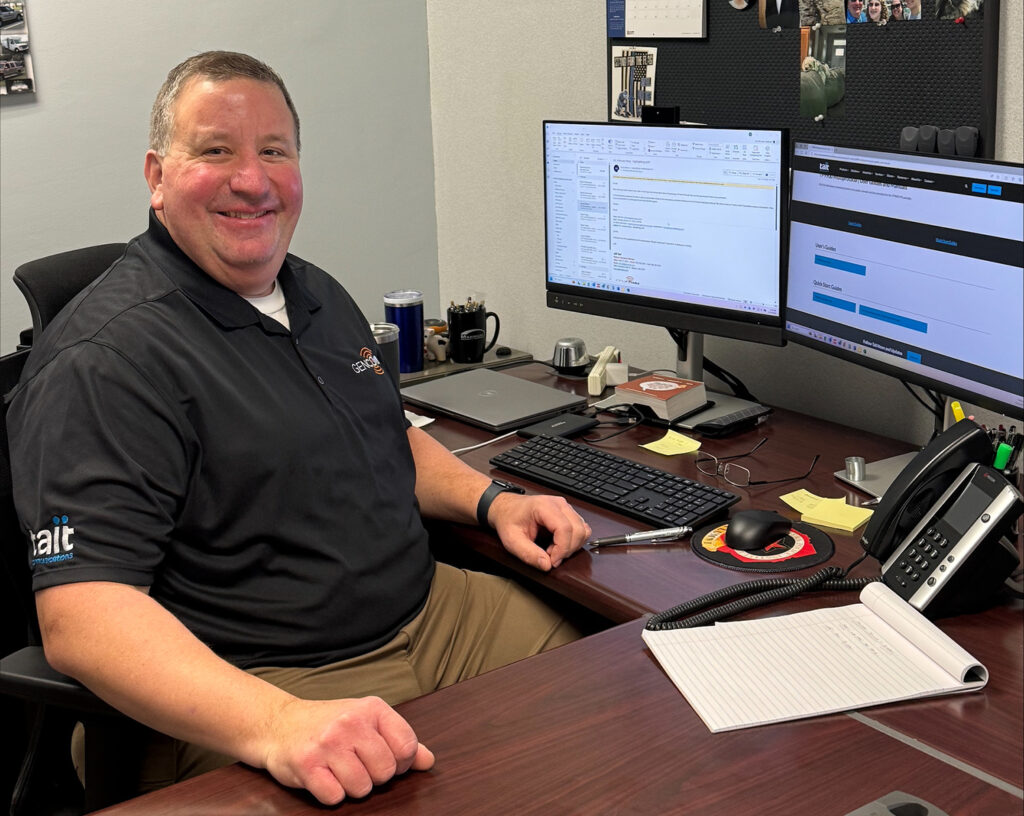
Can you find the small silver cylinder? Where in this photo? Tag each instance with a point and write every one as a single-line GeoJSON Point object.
{"type": "Point", "coordinates": [855, 468]}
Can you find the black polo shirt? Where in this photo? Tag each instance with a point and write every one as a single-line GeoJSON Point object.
{"type": "Point", "coordinates": [258, 480]}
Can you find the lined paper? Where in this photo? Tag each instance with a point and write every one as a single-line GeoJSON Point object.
{"type": "Point", "coordinates": [747, 673]}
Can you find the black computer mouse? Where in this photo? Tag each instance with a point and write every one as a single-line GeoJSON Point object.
{"type": "Point", "coordinates": [755, 529]}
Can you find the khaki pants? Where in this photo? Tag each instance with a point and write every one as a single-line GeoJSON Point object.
{"type": "Point", "coordinates": [472, 623]}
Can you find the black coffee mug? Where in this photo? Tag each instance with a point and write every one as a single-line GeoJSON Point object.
{"type": "Point", "coordinates": [467, 334]}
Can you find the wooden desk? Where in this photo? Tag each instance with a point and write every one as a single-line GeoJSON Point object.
{"type": "Point", "coordinates": [594, 728]}
{"type": "Point", "coordinates": [985, 730]}
{"type": "Point", "coordinates": [622, 583]}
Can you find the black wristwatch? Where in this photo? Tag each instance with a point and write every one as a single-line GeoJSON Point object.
{"type": "Point", "coordinates": [490, 494]}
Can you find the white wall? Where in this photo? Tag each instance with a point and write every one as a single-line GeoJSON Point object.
{"type": "Point", "coordinates": [497, 70]}
{"type": "Point", "coordinates": [71, 169]}
{"type": "Point", "coordinates": [375, 172]}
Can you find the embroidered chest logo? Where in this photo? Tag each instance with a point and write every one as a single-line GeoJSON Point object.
{"type": "Point", "coordinates": [51, 545]}
{"type": "Point", "coordinates": [369, 362]}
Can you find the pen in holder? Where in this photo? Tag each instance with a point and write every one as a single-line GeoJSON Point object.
{"type": "Point", "coordinates": [467, 332]}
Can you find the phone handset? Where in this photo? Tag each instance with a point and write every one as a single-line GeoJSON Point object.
{"type": "Point", "coordinates": [921, 482]}
{"type": "Point", "coordinates": [598, 377]}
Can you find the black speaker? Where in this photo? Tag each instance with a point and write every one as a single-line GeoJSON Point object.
{"type": "Point", "coordinates": [966, 141]}
{"type": "Point", "coordinates": [926, 136]}
{"type": "Point", "coordinates": [908, 139]}
{"type": "Point", "coordinates": [659, 114]}
{"type": "Point", "coordinates": [947, 142]}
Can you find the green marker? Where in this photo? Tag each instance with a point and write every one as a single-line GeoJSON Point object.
{"type": "Point", "coordinates": [1002, 456]}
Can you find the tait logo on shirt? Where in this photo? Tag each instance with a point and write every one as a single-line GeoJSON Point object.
{"type": "Point", "coordinates": [52, 545]}
{"type": "Point", "coordinates": [369, 362]}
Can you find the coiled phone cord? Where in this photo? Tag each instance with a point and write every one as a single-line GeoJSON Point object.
{"type": "Point", "coordinates": [768, 591]}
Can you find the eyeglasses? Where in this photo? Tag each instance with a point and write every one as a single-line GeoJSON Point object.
{"type": "Point", "coordinates": [737, 475]}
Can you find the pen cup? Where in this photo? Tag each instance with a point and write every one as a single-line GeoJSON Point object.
{"type": "Point", "coordinates": [467, 334]}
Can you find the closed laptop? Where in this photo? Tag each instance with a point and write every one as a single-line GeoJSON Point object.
{"type": "Point", "coordinates": [492, 400]}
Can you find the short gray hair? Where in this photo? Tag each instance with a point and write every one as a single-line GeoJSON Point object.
{"type": "Point", "coordinates": [218, 66]}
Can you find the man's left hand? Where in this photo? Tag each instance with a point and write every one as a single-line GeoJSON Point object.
{"type": "Point", "coordinates": [519, 520]}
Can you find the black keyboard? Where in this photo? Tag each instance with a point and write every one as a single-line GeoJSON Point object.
{"type": "Point", "coordinates": [654, 496]}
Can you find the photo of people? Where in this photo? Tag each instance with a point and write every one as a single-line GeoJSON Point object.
{"type": "Point", "coordinates": [878, 12]}
{"type": "Point", "coordinates": [911, 9]}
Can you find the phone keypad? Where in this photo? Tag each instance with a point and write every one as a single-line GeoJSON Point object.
{"type": "Point", "coordinates": [922, 557]}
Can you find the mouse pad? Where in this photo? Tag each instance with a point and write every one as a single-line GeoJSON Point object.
{"type": "Point", "coordinates": [804, 546]}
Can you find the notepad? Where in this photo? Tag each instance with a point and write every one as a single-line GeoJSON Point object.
{"type": "Point", "coordinates": [746, 673]}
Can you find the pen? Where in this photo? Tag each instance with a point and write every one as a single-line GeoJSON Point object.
{"type": "Point", "coordinates": [667, 534]}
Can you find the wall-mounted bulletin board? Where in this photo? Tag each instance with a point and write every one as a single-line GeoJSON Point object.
{"type": "Point", "coordinates": [930, 71]}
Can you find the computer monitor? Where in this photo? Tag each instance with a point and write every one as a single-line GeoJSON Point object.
{"type": "Point", "coordinates": [682, 227]}
{"type": "Point", "coordinates": [913, 265]}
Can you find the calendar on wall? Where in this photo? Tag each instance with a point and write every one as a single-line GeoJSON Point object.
{"type": "Point", "coordinates": [648, 19]}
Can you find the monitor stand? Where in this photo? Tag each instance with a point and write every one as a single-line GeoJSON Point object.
{"type": "Point", "coordinates": [878, 476]}
{"type": "Point", "coordinates": [690, 366]}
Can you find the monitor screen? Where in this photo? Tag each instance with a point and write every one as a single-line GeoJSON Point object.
{"type": "Point", "coordinates": [911, 264]}
{"type": "Point", "coordinates": [682, 227]}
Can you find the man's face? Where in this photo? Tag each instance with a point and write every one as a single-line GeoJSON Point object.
{"type": "Point", "coordinates": [854, 7]}
{"type": "Point", "coordinates": [913, 5]}
{"type": "Point", "coordinates": [229, 189]}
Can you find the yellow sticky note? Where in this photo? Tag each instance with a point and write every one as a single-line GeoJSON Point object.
{"type": "Point", "coordinates": [838, 514]}
{"type": "Point", "coordinates": [802, 501]}
{"type": "Point", "coordinates": [835, 513]}
{"type": "Point", "coordinates": [673, 443]}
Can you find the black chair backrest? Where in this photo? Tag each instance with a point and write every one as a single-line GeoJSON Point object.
{"type": "Point", "coordinates": [49, 283]}
{"type": "Point", "coordinates": [19, 619]}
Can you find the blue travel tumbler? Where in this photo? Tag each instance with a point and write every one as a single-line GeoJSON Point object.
{"type": "Point", "coordinates": [404, 308]}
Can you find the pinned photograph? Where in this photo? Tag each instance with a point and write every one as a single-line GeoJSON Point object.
{"type": "Point", "coordinates": [823, 73]}
{"type": "Point", "coordinates": [955, 9]}
{"type": "Point", "coordinates": [632, 83]}
{"type": "Point", "coordinates": [822, 12]}
{"type": "Point", "coordinates": [773, 14]}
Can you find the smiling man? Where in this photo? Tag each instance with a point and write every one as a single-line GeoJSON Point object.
{"type": "Point", "coordinates": [244, 567]}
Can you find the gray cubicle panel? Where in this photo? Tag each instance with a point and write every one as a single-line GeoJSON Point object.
{"type": "Point", "coordinates": [905, 73]}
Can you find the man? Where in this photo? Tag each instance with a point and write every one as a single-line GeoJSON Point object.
{"type": "Point", "coordinates": [779, 13]}
{"type": "Point", "coordinates": [855, 11]}
{"type": "Point", "coordinates": [912, 10]}
{"type": "Point", "coordinates": [221, 493]}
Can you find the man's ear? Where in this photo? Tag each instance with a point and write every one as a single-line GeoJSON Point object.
{"type": "Point", "coordinates": [154, 172]}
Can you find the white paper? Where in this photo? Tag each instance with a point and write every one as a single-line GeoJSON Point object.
{"type": "Point", "coordinates": [742, 674]}
{"type": "Point", "coordinates": [418, 420]}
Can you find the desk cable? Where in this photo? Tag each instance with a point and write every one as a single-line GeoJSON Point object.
{"type": "Point", "coordinates": [761, 592]}
{"type": "Point", "coordinates": [487, 442]}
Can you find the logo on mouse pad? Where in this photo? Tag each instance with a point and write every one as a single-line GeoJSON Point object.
{"type": "Point", "coordinates": [803, 546]}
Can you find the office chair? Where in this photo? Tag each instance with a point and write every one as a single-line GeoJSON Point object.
{"type": "Point", "coordinates": [49, 283]}
{"type": "Point", "coordinates": [51, 703]}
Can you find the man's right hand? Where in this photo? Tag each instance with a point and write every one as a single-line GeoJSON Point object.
{"type": "Point", "coordinates": [340, 748]}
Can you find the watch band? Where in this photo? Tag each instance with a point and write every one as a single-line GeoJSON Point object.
{"type": "Point", "coordinates": [490, 494]}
